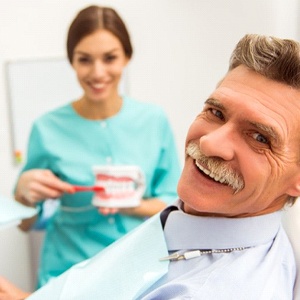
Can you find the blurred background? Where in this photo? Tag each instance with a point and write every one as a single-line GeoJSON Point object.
{"type": "Point", "coordinates": [181, 50]}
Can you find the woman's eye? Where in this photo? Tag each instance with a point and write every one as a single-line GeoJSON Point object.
{"type": "Point", "coordinates": [217, 113]}
{"type": "Point", "coordinates": [260, 138]}
{"type": "Point", "coordinates": [84, 60]}
{"type": "Point", "coordinates": [109, 58]}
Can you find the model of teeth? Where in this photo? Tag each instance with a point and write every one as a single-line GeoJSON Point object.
{"type": "Point", "coordinates": [113, 187]}
{"type": "Point", "coordinates": [124, 185]}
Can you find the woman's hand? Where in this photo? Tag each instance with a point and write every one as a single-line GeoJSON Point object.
{"type": "Point", "coordinates": [108, 210]}
{"type": "Point", "coordinates": [147, 208]}
{"type": "Point", "coordinates": [8, 291]}
{"type": "Point", "coordinates": [37, 184]}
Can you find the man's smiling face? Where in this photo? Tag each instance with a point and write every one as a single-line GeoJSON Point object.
{"type": "Point", "coordinates": [243, 149]}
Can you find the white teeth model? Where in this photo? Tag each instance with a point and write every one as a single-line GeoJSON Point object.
{"type": "Point", "coordinates": [211, 175]}
{"type": "Point", "coordinates": [116, 187]}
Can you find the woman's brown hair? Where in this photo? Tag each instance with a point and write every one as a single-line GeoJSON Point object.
{"type": "Point", "coordinates": [93, 18]}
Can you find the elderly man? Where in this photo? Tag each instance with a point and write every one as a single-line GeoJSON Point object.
{"type": "Point", "coordinates": [242, 166]}
{"type": "Point", "coordinates": [223, 238]}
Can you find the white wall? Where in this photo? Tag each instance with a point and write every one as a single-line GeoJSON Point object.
{"type": "Point", "coordinates": [181, 51]}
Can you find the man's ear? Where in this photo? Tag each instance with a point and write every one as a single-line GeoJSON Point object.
{"type": "Point", "coordinates": [294, 188]}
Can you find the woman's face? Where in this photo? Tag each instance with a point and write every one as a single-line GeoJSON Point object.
{"type": "Point", "coordinates": [99, 60]}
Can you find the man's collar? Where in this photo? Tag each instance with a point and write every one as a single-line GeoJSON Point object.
{"type": "Point", "coordinates": [184, 231]}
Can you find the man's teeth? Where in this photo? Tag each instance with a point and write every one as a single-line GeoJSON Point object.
{"type": "Point", "coordinates": [210, 174]}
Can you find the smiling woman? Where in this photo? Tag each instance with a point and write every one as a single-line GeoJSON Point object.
{"type": "Point", "coordinates": [102, 127]}
{"type": "Point", "coordinates": [99, 70]}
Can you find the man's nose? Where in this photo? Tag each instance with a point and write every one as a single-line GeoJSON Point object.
{"type": "Point", "coordinates": [220, 142]}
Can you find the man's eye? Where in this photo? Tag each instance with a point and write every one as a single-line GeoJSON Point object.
{"type": "Point", "coordinates": [217, 113]}
{"type": "Point", "coordinates": [260, 138]}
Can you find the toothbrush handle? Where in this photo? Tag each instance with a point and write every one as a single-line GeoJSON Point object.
{"type": "Point", "coordinates": [88, 188]}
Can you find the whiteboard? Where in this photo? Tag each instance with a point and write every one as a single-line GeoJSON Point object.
{"type": "Point", "coordinates": [35, 87]}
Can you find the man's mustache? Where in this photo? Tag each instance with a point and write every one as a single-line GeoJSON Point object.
{"type": "Point", "coordinates": [216, 166]}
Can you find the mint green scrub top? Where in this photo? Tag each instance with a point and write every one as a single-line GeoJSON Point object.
{"type": "Point", "coordinates": [69, 146]}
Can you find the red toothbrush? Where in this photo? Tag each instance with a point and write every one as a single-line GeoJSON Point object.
{"type": "Point", "coordinates": [78, 188]}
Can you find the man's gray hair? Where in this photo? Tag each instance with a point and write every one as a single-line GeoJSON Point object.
{"type": "Point", "coordinates": [275, 58]}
